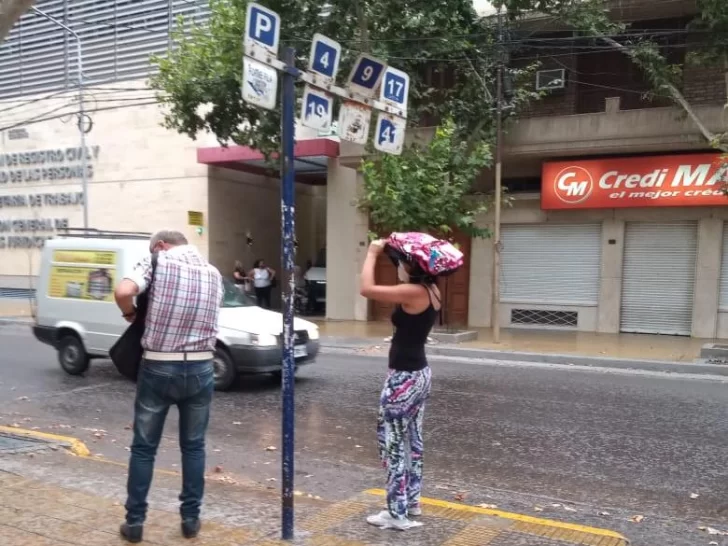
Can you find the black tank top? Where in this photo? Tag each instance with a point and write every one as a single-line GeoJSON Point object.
{"type": "Point", "coordinates": [407, 352]}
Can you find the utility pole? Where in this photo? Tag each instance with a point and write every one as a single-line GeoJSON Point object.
{"type": "Point", "coordinates": [81, 109]}
{"type": "Point", "coordinates": [495, 316]}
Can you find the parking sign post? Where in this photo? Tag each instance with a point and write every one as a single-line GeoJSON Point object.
{"type": "Point", "coordinates": [288, 230]}
{"type": "Point", "coordinates": [369, 76]}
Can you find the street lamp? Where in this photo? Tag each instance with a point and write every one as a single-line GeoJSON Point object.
{"type": "Point", "coordinates": [81, 111]}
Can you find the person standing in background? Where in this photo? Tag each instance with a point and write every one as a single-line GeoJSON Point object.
{"type": "Point", "coordinates": [263, 277]}
{"type": "Point", "coordinates": [240, 278]}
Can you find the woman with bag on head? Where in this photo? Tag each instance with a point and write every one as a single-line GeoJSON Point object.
{"type": "Point", "coordinates": [419, 259]}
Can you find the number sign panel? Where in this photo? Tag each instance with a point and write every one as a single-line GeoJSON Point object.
{"type": "Point", "coordinates": [395, 89]}
{"type": "Point", "coordinates": [262, 28]}
{"type": "Point", "coordinates": [366, 75]}
{"type": "Point", "coordinates": [389, 136]}
{"type": "Point", "coordinates": [325, 57]}
{"type": "Point", "coordinates": [317, 109]}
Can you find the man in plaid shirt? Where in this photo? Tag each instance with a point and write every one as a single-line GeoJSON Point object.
{"type": "Point", "coordinates": [180, 334]}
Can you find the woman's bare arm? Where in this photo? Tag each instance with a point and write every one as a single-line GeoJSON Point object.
{"type": "Point", "coordinates": [401, 293]}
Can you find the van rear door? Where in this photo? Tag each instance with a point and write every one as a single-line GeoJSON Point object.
{"type": "Point", "coordinates": [81, 282]}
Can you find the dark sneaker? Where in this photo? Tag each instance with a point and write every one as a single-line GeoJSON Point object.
{"type": "Point", "coordinates": [132, 533]}
{"type": "Point", "coordinates": [190, 528]}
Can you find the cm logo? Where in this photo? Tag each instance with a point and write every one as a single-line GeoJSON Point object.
{"type": "Point", "coordinates": [573, 185]}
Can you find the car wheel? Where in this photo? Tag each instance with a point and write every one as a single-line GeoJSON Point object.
{"type": "Point", "coordinates": [224, 370]}
{"type": "Point", "coordinates": [72, 355]}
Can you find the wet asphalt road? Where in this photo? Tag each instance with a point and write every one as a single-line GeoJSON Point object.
{"type": "Point", "coordinates": [609, 446]}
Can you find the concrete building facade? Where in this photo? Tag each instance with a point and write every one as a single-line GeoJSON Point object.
{"type": "Point", "coordinates": [661, 267]}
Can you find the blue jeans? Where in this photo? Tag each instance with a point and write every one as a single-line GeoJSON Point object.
{"type": "Point", "coordinates": [160, 385]}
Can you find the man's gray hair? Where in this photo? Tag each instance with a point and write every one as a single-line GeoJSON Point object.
{"type": "Point", "coordinates": [174, 238]}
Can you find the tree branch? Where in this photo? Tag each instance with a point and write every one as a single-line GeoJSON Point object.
{"type": "Point", "coordinates": [677, 96]}
{"type": "Point", "coordinates": [10, 12]}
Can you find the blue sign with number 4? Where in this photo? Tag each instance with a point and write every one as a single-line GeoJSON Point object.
{"type": "Point", "coordinates": [325, 56]}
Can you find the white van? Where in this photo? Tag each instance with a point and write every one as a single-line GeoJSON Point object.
{"type": "Point", "coordinates": [77, 315]}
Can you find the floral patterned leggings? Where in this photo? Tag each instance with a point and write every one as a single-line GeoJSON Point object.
{"type": "Point", "coordinates": [399, 432]}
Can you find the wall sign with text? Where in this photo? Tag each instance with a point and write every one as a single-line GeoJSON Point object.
{"type": "Point", "coordinates": [694, 180]}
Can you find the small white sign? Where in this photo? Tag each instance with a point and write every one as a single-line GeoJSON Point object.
{"type": "Point", "coordinates": [260, 84]}
{"type": "Point", "coordinates": [325, 57]}
{"type": "Point", "coordinates": [318, 109]}
{"type": "Point", "coordinates": [389, 135]}
{"type": "Point", "coordinates": [354, 121]}
{"type": "Point", "coordinates": [262, 28]}
{"type": "Point", "coordinates": [395, 89]}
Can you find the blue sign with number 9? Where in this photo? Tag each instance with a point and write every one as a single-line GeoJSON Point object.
{"type": "Point", "coordinates": [367, 73]}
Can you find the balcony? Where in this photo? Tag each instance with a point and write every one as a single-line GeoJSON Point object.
{"type": "Point", "coordinates": [614, 131]}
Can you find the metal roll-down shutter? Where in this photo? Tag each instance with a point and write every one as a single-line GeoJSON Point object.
{"type": "Point", "coordinates": [659, 277]}
{"type": "Point", "coordinates": [551, 264]}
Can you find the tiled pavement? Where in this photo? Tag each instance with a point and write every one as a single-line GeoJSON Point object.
{"type": "Point", "coordinates": [39, 511]}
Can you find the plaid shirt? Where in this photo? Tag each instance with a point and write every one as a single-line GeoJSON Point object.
{"type": "Point", "coordinates": [184, 302]}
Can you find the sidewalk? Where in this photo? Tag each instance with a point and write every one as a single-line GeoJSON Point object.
{"type": "Point", "coordinates": [538, 342]}
{"type": "Point", "coordinates": [12, 308]}
{"type": "Point", "coordinates": [62, 499]}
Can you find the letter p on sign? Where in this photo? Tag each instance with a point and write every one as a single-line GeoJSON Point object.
{"type": "Point", "coordinates": [573, 185]}
{"type": "Point", "coordinates": [262, 28]}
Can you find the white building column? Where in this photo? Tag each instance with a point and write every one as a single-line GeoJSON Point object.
{"type": "Point", "coordinates": [610, 290]}
{"type": "Point", "coordinates": [707, 278]}
{"type": "Point", "coordinates": [346, 244]}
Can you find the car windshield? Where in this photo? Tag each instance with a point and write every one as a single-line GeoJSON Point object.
{"type": "Point", "coordinates": [234, 297]}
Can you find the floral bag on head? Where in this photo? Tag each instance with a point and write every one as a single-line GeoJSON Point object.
{"type": "Point", "coordinates": [436, 257]}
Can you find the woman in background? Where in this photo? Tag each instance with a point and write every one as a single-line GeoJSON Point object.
{"type": "Point", "coordinates": [240, 278]}
{"type": "Point", "coordinates": [263, 277]}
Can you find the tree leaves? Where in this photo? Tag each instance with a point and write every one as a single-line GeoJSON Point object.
{"type": "Point", "coordinates": [428, 187]}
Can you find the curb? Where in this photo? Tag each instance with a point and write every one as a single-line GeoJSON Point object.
{"type": "Point", "coordinates": [16, 320]}
{"type": "Point", "coordinates": [697, 368]}
{"type": "Point", "coordinates": [74, 445]}
{"type": "Point", "coordinates": [520, 518]}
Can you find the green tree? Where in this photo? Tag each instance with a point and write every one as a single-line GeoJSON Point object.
{"type": "Point", "coordinates": [428, 188]}
{"type": "Point", "coordinates": [199, 81]}
{"type": "Point", "coordinates": [591, 18]}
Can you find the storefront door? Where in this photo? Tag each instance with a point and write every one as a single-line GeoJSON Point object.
{"type": "Point", "coordinates": [658, 277]}
{"type": "Point", "coordinates": [549, 272]}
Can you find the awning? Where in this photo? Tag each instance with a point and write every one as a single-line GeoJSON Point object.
{"type": "Point", "coordinates": [311, 160]}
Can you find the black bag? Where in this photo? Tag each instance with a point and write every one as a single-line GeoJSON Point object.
{"type": "Point", "coordinates": [127, 352]}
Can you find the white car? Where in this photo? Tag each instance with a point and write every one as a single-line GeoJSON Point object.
{"type": "Point", "coordinates": [76, 313]}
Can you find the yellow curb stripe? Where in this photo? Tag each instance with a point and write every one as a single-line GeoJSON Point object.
{"type": "Point", "coordinates": [76, 446]}
{"type": "Point", "coordinates": [510, 515]}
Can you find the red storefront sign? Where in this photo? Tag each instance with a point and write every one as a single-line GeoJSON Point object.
{"type": "Point", "coordinates": [694, 180]}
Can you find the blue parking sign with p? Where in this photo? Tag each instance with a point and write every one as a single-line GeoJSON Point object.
{"type": "Point", "coordinates": [262, 27]}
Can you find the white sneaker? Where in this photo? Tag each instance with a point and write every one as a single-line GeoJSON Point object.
{"type": "Point", "coordinates": [384, 520]}
{"type": "Point", "coordinates": [414, 511]}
